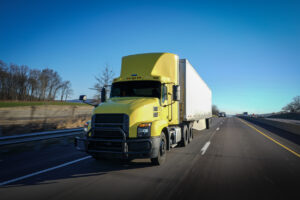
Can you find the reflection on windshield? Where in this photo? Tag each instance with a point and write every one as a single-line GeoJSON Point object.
{"type": "Point", "coordinates": [136, 89]}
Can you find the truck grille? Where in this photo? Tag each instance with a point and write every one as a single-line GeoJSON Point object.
{"type": "Point", "coordinates": [110, 118]}
{"type": "Point", "coordinates": [101, 124]}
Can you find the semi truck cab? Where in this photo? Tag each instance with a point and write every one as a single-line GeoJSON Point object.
{"type": "Point", "coordinates": [145, 114]}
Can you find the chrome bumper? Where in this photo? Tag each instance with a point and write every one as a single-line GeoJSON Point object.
{"type": "Point", "coordinates": [122, 148]}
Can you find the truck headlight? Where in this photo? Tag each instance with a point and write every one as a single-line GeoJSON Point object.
{"type": "Point", "coordinates": [86, 127]}
{"type": "Point", "coordinates": [144, 130]}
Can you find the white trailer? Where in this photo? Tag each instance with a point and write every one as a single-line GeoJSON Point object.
{"type": "Point", "coordinates": [195, 95]}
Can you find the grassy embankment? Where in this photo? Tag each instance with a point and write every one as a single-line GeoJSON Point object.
{"type": "Point", "coordinates": [4, 104]}
{"type": "Point", "coordinates": [17, 117]}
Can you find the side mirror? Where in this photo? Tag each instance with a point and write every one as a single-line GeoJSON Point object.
{"type": "Point", "coordinates": [176, 93]}
{"type": "Point", "coordinates": [103, 95]}
{"type": "Point", "coordinates": [82, 98]}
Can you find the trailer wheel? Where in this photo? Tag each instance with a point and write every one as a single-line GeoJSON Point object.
{"type": "Point", "coordinates": [191, 134]}
{"type": "Point", "coordinates": [207, 122]}
{"type": "Point", "coordinates": [185, 137]}
{"type": "Point", "coordinates": [160, 159]}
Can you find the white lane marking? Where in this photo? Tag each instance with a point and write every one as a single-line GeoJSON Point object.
{"type": "Point", "coordinates": [205, 147]}
{"type": "Point", "coordinates": [218, 129]}
{"type": "Point", "coordinates": [43, 171]}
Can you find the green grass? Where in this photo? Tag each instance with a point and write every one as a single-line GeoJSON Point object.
{"type": "Point", "coordinates": [37, 103]}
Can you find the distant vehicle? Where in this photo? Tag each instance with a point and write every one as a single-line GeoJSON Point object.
{"type": "Point", "coordinates": [222, 114]}
{"type": "Point", "coordinates": [152, 107]}
{"type": "Point", "coordinates": [245, 113]}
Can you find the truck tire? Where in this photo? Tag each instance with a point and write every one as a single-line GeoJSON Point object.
{"type": "Point", "coordinates": [191, 135]}
{"type": "Point", "coordinates": [185, 137]}
{"type": "Point", "coordinates": [162, 154]}
{"type": "Point", "coordinates": [207, 122]}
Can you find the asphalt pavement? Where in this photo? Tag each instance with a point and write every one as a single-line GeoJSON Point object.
{"type": "Point", "coordinates": [234, 159]}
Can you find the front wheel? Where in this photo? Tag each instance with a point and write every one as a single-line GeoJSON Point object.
{"type": "Point", "coordinates": [160, 159]}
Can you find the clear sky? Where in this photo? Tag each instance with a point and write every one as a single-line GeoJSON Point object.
{"type": "Point", "coordinates": [248, 52]}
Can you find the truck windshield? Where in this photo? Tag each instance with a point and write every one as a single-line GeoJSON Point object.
{"type": "Point", "coordinates": [136, 89]}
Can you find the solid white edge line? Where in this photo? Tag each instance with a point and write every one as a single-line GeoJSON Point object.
{"type": "Point", "coordinates": [205, 147]}
{"type": "Point", "coordinates": [43, 171]}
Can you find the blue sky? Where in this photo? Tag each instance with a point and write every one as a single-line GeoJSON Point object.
{"type": "Point", "coordinates": [248, 52]}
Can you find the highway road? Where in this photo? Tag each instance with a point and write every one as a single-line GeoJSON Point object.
{"type": "Point", "coordinates": [235, 159]}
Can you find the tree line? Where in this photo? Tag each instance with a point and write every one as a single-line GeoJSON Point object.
{"type": "Point", "coordinates": [19, 82]}
{"type": "Point", "coordinates": [293, 106]}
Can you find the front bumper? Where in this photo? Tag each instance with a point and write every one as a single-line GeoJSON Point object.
{"type": "Point", "coordinates": [119, 148]}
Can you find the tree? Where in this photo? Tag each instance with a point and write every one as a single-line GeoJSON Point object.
{"type": "Point", "coordinates": [54, 84]}
{"type": "Point", "coordinates": [21, 83]}
{"type": "Point", "coordinates": [296, 103]}
{"type": "Point", "coordinates": [294, 106]}
{"type": "Point", "coordinates": [104, 79]}
{"type": "Point", "coordinates": [34, 75]}
{"type": "Point", "coordinates": [65, 90]}
{"type": "Point", "coordinates": [44, 82]}
{"type": "Point", "coordinates": [68, 92]}
{"type": "Point", "coordinates": [3, 80]}
{"type": "Point", "coordinates": [215, 110]}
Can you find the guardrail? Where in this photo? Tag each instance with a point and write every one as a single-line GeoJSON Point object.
{"type": "Point", "coordinates": [291, 128]}
{"type": "Point", "coordinates": [30, 137]}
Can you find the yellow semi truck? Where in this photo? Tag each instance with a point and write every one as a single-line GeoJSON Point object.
{"type": "Point", "coordinates": [153, 106]}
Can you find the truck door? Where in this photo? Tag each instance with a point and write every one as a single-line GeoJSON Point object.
{"type": "Point", "coordinates": [166, 102]}
{"type": "Point", "coordinates": [170, 105]}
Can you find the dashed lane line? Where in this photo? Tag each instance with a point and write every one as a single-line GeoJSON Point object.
{"type": "Point", "coordinates": [205, 147]}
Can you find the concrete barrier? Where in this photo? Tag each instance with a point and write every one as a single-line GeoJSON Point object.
{"type": "Point", "coordinates": [289, 127]}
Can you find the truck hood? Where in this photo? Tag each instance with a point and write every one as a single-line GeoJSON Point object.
{"type": "Point", "coordinates": [139, 109]}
